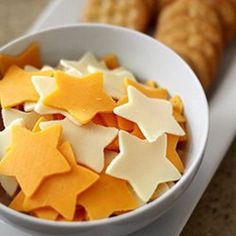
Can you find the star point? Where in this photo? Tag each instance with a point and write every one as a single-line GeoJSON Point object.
{"type": "Point", "coordinates": [16, 87]}
{"type": "Point", "coordinates": [33, 157]}
{"type": "Point", "coordinates": [87, 92]}
{"type": "Point", "coordinates": [153, 116]}
{"type": "Point", "coordinates": [143, 164]}
{"type": "Point", "coordinates": [31, 56]}
{"type": "Point", "coordinates": [68, 185]}
{"type": "Point", "coordinates": [88, 141]}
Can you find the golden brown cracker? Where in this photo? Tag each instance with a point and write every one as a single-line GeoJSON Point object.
{"type": "Point", "coordinates": [199, 43]}
{"type": "Point", "coordinates": [197, 61]}
{"type": "Point", "coordinates": [133, 14]}
{"type": "Point", "coordinates": [161, 4]}
{"type": "Point", "coordinates": [227, 11]}
{"type": "Point", "coordinates": [193, 26]}
{"type": "Point", "coordinates": [192, 8]}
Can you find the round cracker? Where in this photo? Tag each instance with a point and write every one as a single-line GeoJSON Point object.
{"type": "Point", "coordinates": [227, 12]}
{"type": "Point", "coordinates": [133, 14]}
{"type": "Point", "coordinates": [193, 9]}
{"type": "Point", "coordinates": [193, 26]}
{"type": "Point", "coordinates": [197, 42]}
{"type": "Point", "coordinates": [197, 61]}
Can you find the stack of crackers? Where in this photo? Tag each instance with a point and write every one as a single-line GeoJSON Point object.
{"type": "Point", "coordinates": [198, 30]}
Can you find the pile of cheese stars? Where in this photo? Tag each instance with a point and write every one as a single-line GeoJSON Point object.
{"type": "Point", "coordinates": [84, 140]}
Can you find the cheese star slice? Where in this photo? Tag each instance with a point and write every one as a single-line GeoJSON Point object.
{"type": "Point", "coordinates": [81, 98]}
{"type": "Point", "coordinates": [88, 141]}
{"type": "Point", "coordinates": [16, 87]}
{"type": "Point", "coordinates": [29, 106]}
{"type": "Point", "coordinates": [67, 185]}
{"type": "Point", "coordinates": [29, 118]}
{"type": "Point", "coordinates": [143, 164]}
{"type": "Point", "coordinates": [172, 153]}
{"type": "Point", "coordinates": [45, 213]}
{"type": "Point", "coordinates": [160, 190]}
{"type": "Point", "coordinates": [107, 196]}
{"type": "Point", "coordinates": [148, 91]}
{"type": "Point", "coordinates": [153, 116]}
{"type": "Point", "coordinates": [81, 67]}
{"type": "Point", "coordinates": [114, 80]}
{"type": "Point", "coordinates": [8, 183]}
{"type": "Point", "coordinates": [45, 85]}
{"type": "Point", "coordinates": [33, 157]}
{"type": "Point", "coordinates": [31, 56]}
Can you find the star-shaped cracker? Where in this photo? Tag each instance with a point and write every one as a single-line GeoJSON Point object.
{"type": "Point", "coordinates": [153, 116]}
{"type": "Point", "coordinates": [88, 141]}
{"type": "Point", "coordinates": [16, 87]}
{"type": "Point", "coordinates": [29, 118]}
{"type": "Point", "coordinates": [68, 185]}
{"type": "Point", "coordinates": [33, 157]}
{"type": "Point", "coordinates": [143, 164]}
{"type": "Point", "coordinates": [107, 196]}
{"type": "Point", "coordinates": [45, 85]}
{"type": "Point", "coordinates": [8, 183]}
{"type": "Point", "coordinates": [82, 98]}
{"type": "Point", "coordinates": [31, 56]}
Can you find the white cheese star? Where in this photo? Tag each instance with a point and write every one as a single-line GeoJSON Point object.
{"type": "Point", "coordinates": [88, 141]}
{"type": "Point", "coordinates": [153, 116]}
{"type": "Point", "coordinates": [29, 106]}
{"type": "Point", "coordinates": [45, 85]}
{"type": "Point", "coordinates": [29, 118]}
{"type": "Point", "coordinates": [144, 165]}
{"type": "Point", "coordinates": [8, 183]}
{"type": "Point", "coordinates": [114, 80]}
{"type": "Point", "coordinates": [81, 65]}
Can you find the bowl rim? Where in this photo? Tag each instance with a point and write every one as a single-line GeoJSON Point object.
{"type": "Point", "coordinates": [146, 207]}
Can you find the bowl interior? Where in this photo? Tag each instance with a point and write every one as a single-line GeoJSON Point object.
{"type": "Point", "coordinates": [144, 56]}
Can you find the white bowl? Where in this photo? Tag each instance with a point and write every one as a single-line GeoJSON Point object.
{"type": "Point", "coordinates": [149, 59]}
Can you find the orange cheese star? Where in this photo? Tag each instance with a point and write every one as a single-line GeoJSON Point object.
{"type": "Point", "coordinates": [137, 132]}
{"type": "Point", "coordinates": [172, 155]}
{"type": "Point", "coordinates": [36, 127]}
{"type": "Point", "coordinates": [123, 123]}
{"type": "Point", "coordinates": [44, 213]}
{"type": "Point", "coordinates": [111, 61]}
{"type": "Point", "coordinates": [109, 119]}
{"type": "Point", "coordinates": [151, 83]}
{"type": "Point", "coordinates": [148, 91]}
{"type": "Point", "coordinates": [178, 108]}
{"type": "Point", "coordinates": [67, 185]}
{"type": "Point", "coordinates": [80, 215]}
{"type": "Point", "coordinates": [18, 202]}
{"type": "Point", "coordinates": [107, 196]}
{"type": "Point", "coordinates": [31, 56]}
{"type": "Point", "coordinates": [82, 98]}
{"type": "Point", "coordinates": [33, 157]}
{"type": "Point", "coordinates": [16, 87]}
